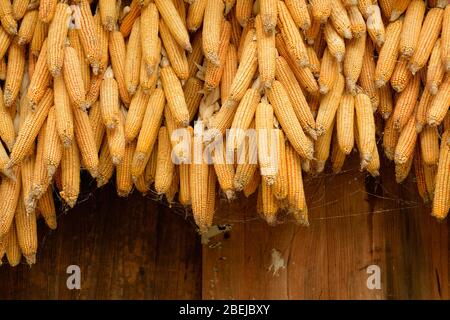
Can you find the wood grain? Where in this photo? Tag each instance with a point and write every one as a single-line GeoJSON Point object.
{"type": "Point", "coordinates": [137, 249]}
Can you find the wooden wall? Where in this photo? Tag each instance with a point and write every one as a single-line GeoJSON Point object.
{"type": "Point", "coordinates": [136, 248]}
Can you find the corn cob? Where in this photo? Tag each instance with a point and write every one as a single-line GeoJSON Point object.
{"type": "Point", "coordinates": [357, 23]}
{"type": "Point", "coordinates": [70, 174]}
{"type": "Point", "coordinates": [401, 75]}
{"type": "Point", "coordinates": [195, 15]}
{"type": "Point", "coordinates": [195, 57]}
{"type": "Point", "coordinates": [117, 52]}
{"type": "Point", "coordinates": [7, 133]}
{"type": "Point", "coordinates": [375, 26]}
{"type": "Point", "coordinates": [193, 95]}
{"type": "Point", "coordinates": [53, 148]}
{"type": "Point", "coordinates": [73, 80]}
{"type": "Point", "coordinates": [429, 145]}
{"type": "Point", "coordinates": [213, 73]}
{"type": "Point", "coordinates": [57, 33]}
{"type": "Point", "coordinates": [439, 104]}
{"type": "Point", "coordinates": [9, 191]}
{"type": "Point", "coordinates": [6, 17]}
{"type": "Point", "coordinates": [27, 26]}
{"type": "Point", "coordinates": [286, 116]}
{"type": "Point", "coordinates": [404, 107]}
{"type": "Point", "coordinates": [13, 252]}
{"type": "Point", "coordinates": [428, 35]}
{"type": "Point", "coordinates": [390, 138]}
{"type": "Point", "coordinates": [89, 36]}
{"type": "Point", "coordinates": [322, 149]}
{"type": "Point", "coordinates": [63, 112]}
{"type": "Point", "coordinates": [135, 115]}
{"type": "Point", "coordinates": [243, 11]}
{"type": "Point", "coordinates": [174, 22]}
{"type": "Point", "coordinates": [14, 73]}
{"type": "Point", "coordinates": [406, 142]}
{"type": "Point", "coordinates": [252, 185]}
{"type": "Point", "coordinates": [329, 105]}
{"type": "Point", "coordinates": [388, 54]}
{"type": "Point", "coordinates": [366, 128]}
{"type": "Point", "coordinates": [39, 36]}
{"type": "Point", "coordinates": [321, 9]}
{"type": "Point", "coordinates": [124, 182]}
{"type": "Point", "coordinates": [344, 122]}
{"type": "Point", "coordinates": [46, 207]}
{"type": "Point", "coordinates": [133, 59]}
{"type": "Point", "coordinates": [244, 114]}
{"type": "Point", "coordinates": [441, 200]}
{"type": "Point", "coordinates": [296, 194]}
{"type": "Point", "coordinates": [26, 232]}
{"type": "Point", "coordinates": [420, 176]}
{"type": "Point", "coordinates": [130, 18]}
{"type": "Point", "coordinates": [445, 43]}
{"type": "Point", "coordinates": [353, 62]}
{"type": "Point", "coordinates": [47, 10]}
{"type": "Point", "coordinates": [109, 100]}
{"type": "Point", "coordinates": [435, 70]}
{"type": "Point", "coordinates": [211, 30]}
{"type": "Point", "coordinates": [411, 28]}
{"type": "Point", "coordinates": [19, 8]}
{"type": "Point", "coordinates": [74, 41]}
{"type": "Point", "coordinates": [329, 70]}
{"type": "Point", "coordinates": [105, 165]}
{"type": "Point", "coordinates": [108, 14]}
{"type": "Point", "coordinates": [337, 157]}
{"type": "Point", "coordinates": [314, 31]}
{"type": "Point", "coordinates": [340, 20]}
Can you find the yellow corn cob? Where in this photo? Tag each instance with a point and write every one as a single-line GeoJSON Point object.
{"type": "Point", "coordinates": [135, 115]}
{"type": "Point", "coordinates": [366, 128]}
{"type": "Point", "coordinates": [321, 9]}
{"type": "Point", "coordinates": [268, 10]}
{"type": "Point", "coordinates": [19, 8]}
{"type": "Point", "coordinates": [97, 125]}
{"type": "Point", "coordinates": [7, 133]}
{"type": "Point", "coordinates": [388, 54]}
{"type": "Point", "coordinates": [27, 26]}
{"type": "Point", "coordinates": [404, 107]}
{"type": "Point", "coordinates": [266, 142]}
{"type": "Point", "coordinates": [89, 36]}
{"type": "Point", "coordinates": [445, 43]}
{"type": "Point", "coordinates": [292, 36]}
{"type": "Point", "coordinates": [105, 166]}
{"type": "Point", "coordinates": [253, 184]}
{"type": "Point", "coordinates": [70, 174]}
{"type": "Point", "coordinates": [269, 204]}
{"type": "Point", "coordinates": [195, 14]}
{"type": "Point", "coordinates": [386, 104]}
{"type": "Point", "coordinates": [340, 19]}
{"type": "Point", "coordinates": [85, 141]}
{"type": "Point", "coordinates": [108, 13]}
{"type": "Point", "coordinates": [39, 36]}
{"type": "Point", "coordinates": [174, 186]}
{"type": "Point", "coordinates": [30, 129]}
{"type": "Point", "coordinates": [286, 116]}
{"type": "Point", "coordinates": [73, 80]}
{"type": "Point", "coordinates": [353, 62]}
{"type": "Point", "coordinates": [52, 149]}
{"type": "Point", "coordinates": [116, 141]}
{"type": "Point", "coordinates": [357, 23]}
{"type": "Point", "coordinates": [149, 132]}
{"type": "Point", "coordinates": [175, 53]}
{"type": "Point", "coordinates": [213, 73]}
{"type": "Point", "coordinates": [47, 209]}
{"type": "Point", "coordinates": [9, 191]}
{"type": "Point", "coordinates": [211, 197]}
{"type": "Point", "coordinates": [117, 52]}
{"type": "Point", "coordinates": [329, 70]}
{"type": "Point", "coordinates": [224, 171]}
{"type": "Point", "coordinates": [109, 100]}
{"type": "Point", "coordinates": [184, 195]}
{"type": "Point", "coordinates": [335, 43]}
{"type": "Point", "coordinates": [164, 165]}
{"type": "Point", "coordinates": [303, 75]}
{"type": "Point", "coordinates": [74, 41]}
{"type": "Point", "coordinates": [103, 36]}
{"type": "Point", "coordinates": [174, 95]}
{"type": "Point", "coordinates": [245, 112]}
{"type": "Point", "coordinates": [6, 17]}
{"type": "Point", "coordinates": [174, 22]}
{"type": "Point", "coordinates": [411, 28]}
{"type": "Point", "coordinates": [193, 95]}
{"type": "Point", "coordinates": [5, 40]}
{"type": "Point", "coordinates": [344, 123]}
{"type": "Point", "coordinates": [280, 186]}
{"type": "Point", "coordinates": [247, 164]}
{"type": "Point", "coordinates": [149, 39]}
{"type": "Point", "coordinates": [63, 112]}
{"type": "Point", "coordinates": [428, 35]}
{"type": "Point", "coordinates": [150, 168]}
{"type": "Point", "coordinates": [212, 22]}
{"type": "Point", "coordinates": [266, 53]}
{"type": "Point", "coordinates": [47, 10]}
{"type": "Point", "coordinates": [299, 13]}
{"type": "Point", "coordinates": [57, 33]}
{"type": "Point", "coordinates": [386, 8]}
{"type": "Point", "coordinates": [124, 183]}
{"type": "Point", "coordinates": [429, 145]}
{"type": "Point", "coordinates": [141, 186]}
{"type": "Point", "coordinates": [4, 159]}
{"type": "Point", "coordinates": [314, 31]}
{"type": "Point", "coordinates": [3, 69]}
{"type": "Point", "coordinates": [296, 97]}
{"type": "Point", "coordinates": [390, 138]}
{"type": "Point", "coordinates": [14, 73]}
{"type": "Point", "coordinates": [441, 200]}
{"type": "Point", "coordinates": [41, 78]}
{"type": "Point", "coordinates": [401, 75]}
{"type": "Point", "coordinates": [435, 70]}
{"type": "Point", "coordinates": [439, 104]}
{"type": "Point", "coordinates": [195, 57]}
{"type": "Point", "coordinates": [296, 194]}
{"type": "Point", "coordinates": [337, 157]}
{"type": "Point", "coordinates": [375, 26]}
{"type": "Point", "coordinates": [26, 232]}
{"type": "Point", "coordinates": [148, 83]}
{"type": "Point", "coordinates": [406, 142]}
{"type": "Point", "coordinates": [129, 19]}
{"type": "Point", "coordinates": [430, 179]}
{"type": "Point", "coordinates": [246, 70]}
{"type": "Point", "coordinates": [243, 11]}
{"type": "Point", "coordinates": [398, 7]}
{"type": "Point", "coordinates": [374, 165]}
{"type": "Point", "coordinates": [314, 62]}
{"type": "Point", "coordinates": [322, 149]}
{"type": "Point", "coordinates": [133, 59]}
{"type": "Point", "coordinates": [420, 176]}
{"type": "Point", "coordinates": [329, 105]}
{"type": "Point", "coordinates": [199, 173]}
{"type": "Point", "coordinates": [13, 252]}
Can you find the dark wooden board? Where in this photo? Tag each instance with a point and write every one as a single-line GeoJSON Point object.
{"type": "Point", "coordinates": [136, 248]}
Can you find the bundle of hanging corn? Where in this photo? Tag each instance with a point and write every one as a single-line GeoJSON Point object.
{"type": "Point", "coordinates": [163, 93]}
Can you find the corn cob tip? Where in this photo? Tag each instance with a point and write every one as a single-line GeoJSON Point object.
{"type": "Point", "coordinates": [8, 172]}
{"type": "Point", "coordinates": [30, 258]}
{"type": "Point", "coordinates": [394, 15]}
{"type": "Point", "coordinates": [323, 89]}
{"type": "Point", "coordinates": [30, 205]}
{"type": "Point", "coordinates": [101, 181]}
{"type": "Point", "coordinates": [419, 127]}
{"type": "Point", "coordinates": [301, 217]}
{"type": "Point", "coordinates": [348, 34]}
{"type": "Point", "coordinates": [271, 220]}
{"type": "Point", "coordinates": [230, 194]}
{"type": "Point", "coordinates": [51, 169]}
{"type": "Point", "coordinates": [116, 160]}
{"type": "Point", "coordinates": [433, 89]}
{"type": "Point", "coordinates": [312, 133]}
{"type": "Point", "coordinates": [413, 67]}
{"type": "Point", "coordinates": [71, 200]}
{"type": "Point", "coordinates": [320, 166]}
{"type": "Point", "coordinates": [351, 86]}
{"type": "Point", "coordinates": [365, 160]}
{"type": "Point", "coordinates": [51, 222]}
{"type": "Point", "coordinates": [55, 71]}
{"type": "Point", "coordinates": [380, 83]}
{"type": "Point", "coordinates": [8, 97]}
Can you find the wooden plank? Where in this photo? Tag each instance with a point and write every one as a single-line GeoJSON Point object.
{"type": "Point", "coordinates": [126, 248]}
{"type": "Point", "coordinates": [355, 222]}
